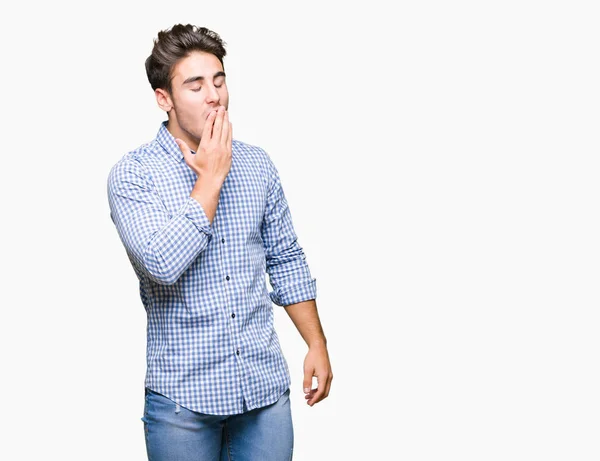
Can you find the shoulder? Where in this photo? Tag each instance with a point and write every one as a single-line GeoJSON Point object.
{"type": "Point", "coordinates": [256, 154]}
{"type": "Point", "coordinates": [247, 150]}
{"type": "Point", "coordinates": [134, 163]}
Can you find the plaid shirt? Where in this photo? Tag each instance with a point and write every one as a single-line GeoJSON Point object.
{"type": "Point", "coordinates": [212, 346]}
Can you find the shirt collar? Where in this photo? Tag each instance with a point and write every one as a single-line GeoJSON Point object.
{"type": "Point", "coordinates": [167, 141]}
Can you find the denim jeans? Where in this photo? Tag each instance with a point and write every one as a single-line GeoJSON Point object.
{"type": "Point", "coordinates": [174, 433]}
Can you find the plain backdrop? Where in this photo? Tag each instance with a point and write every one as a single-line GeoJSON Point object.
{"type": "Point", "coordinates": [441, 164]}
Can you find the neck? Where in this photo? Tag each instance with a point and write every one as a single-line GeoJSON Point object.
{"type": "Point", "coordinates": [177, 132]}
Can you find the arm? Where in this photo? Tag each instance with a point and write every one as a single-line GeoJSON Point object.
{"type": "Point", "coordinates": [306, 319]}
{"type": "Point", "coordinates": [161, 245]}
{"type": "Point", "coordinates": [286, 265]}
{"type": "Point", "coordinates": [294, 288]}
{"type": "Point", "coordinates": [212, 162]}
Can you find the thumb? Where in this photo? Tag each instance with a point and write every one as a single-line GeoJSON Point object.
{"type": "Point", "coordinates": [185, 150]}
{"type": "Point", "coordinates": [307, 384]}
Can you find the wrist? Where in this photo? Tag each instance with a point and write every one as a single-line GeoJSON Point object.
{"type": "Point", "coordinates": [207, 184]}
{"type": "Point", "coordinates": [319, 343]}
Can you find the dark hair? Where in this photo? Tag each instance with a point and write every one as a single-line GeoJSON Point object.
{"type": "Point", "coordinates": [177, 43]}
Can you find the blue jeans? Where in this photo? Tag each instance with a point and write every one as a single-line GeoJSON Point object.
{"type": "Point", "coordinates": [174, 433]}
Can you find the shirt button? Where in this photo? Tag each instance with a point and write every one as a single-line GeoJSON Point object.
{"type": "Point", "coordinates": [237, 352]}
{"type": "Point", "coordinates": [227, 278]}
{"type": "Point", "coordinates": [222, 240]}
{"type": "Point", "coordinates": [232, 316]}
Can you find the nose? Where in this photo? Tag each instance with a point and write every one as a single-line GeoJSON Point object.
{"type": "Point", "coordinates": [212, 96]}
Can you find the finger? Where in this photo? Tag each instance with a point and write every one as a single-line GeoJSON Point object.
{"type": "Point", "coordinates": [322, 391]}
{"type": "Point", "coordinates": [208, 126]}
{"type": "Point", "coordinates": [328, 385]}
{"type": "Point", "coordinates": [307, 383]}
{"type": "Point", "coordinates": [230, 137]}
{"type": "Point", "coordinates": [318, 395]}
{"type": "Point", "coordinates": [185, 150]}
{"type": "Point", "coordinates": [217, 127]}
{"type": "Point", "coordinates": [225, 130]}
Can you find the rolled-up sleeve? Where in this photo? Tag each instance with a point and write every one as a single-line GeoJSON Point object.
{"type": "Point", "coordinates": [162, 245]}
{"type": "Point", "coordinates": [289, 274]}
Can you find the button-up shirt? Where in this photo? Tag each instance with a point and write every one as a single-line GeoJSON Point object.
{"type": "Point", "coordinates": [211, 342]}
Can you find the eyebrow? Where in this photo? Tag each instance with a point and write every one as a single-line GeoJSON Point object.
{"type": "Point", "coordinates": [200, 77]}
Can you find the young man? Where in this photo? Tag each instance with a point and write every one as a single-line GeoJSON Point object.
{"type": "Point", "coordinates": [203, 219]}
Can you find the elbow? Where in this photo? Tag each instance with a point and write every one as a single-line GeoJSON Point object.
{"type": "Point", "coordinates": [166, 279]}
{"type": "Point", "coordinates": [292, 256]}
{"type": "Point", "coordinates": [294, 293]}
{"type": "Point", "coordinates": [159, 269]}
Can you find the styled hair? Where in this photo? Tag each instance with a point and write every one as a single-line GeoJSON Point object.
{"type": "Point", "coordinates": [177, 43]}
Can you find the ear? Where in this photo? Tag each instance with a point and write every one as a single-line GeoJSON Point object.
{"type": "Point", "coordinates": [163, 99]}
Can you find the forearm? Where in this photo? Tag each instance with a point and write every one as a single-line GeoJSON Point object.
{"type": "Point", "coordinates": [168, 270]}
{"type": "Point", "coordinates": [305, 317]}
{"type": "Point", "coordinates": [166, 245]}
{"type": "Point", "coordinates": [161, 243]}
{"type": "Point", "coordinates": [181, 241]}
{"type": "Point", "coordinates": [207, 192]}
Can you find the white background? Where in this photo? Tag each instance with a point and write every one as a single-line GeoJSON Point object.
{"type": "Point", "coordinates": [441, 163]}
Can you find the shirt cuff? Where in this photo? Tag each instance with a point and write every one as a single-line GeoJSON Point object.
{"type": "Point", "coordinates": [193, 211]}
{"type": "Point", "coordinates": [296, 293]}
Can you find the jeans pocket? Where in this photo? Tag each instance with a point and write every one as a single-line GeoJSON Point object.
{"type": "Point", "coordinates": [146, 405]}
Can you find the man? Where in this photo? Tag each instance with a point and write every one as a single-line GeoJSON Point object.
{"type": "Point", "coordinates": [204, 218]}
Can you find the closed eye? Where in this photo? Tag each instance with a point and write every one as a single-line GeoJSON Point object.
{"type": "Point", "coordinates": [199, 88]}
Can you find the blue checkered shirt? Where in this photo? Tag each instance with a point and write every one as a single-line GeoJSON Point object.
{"type": "Point", "coordinates": [212, 346]}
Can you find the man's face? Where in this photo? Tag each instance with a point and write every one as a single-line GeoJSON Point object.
{"type": "Point", "coordinates": [197, 87]}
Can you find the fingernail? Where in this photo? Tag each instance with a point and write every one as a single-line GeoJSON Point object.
{"type": "Point", "coordinates": [306, 390]}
